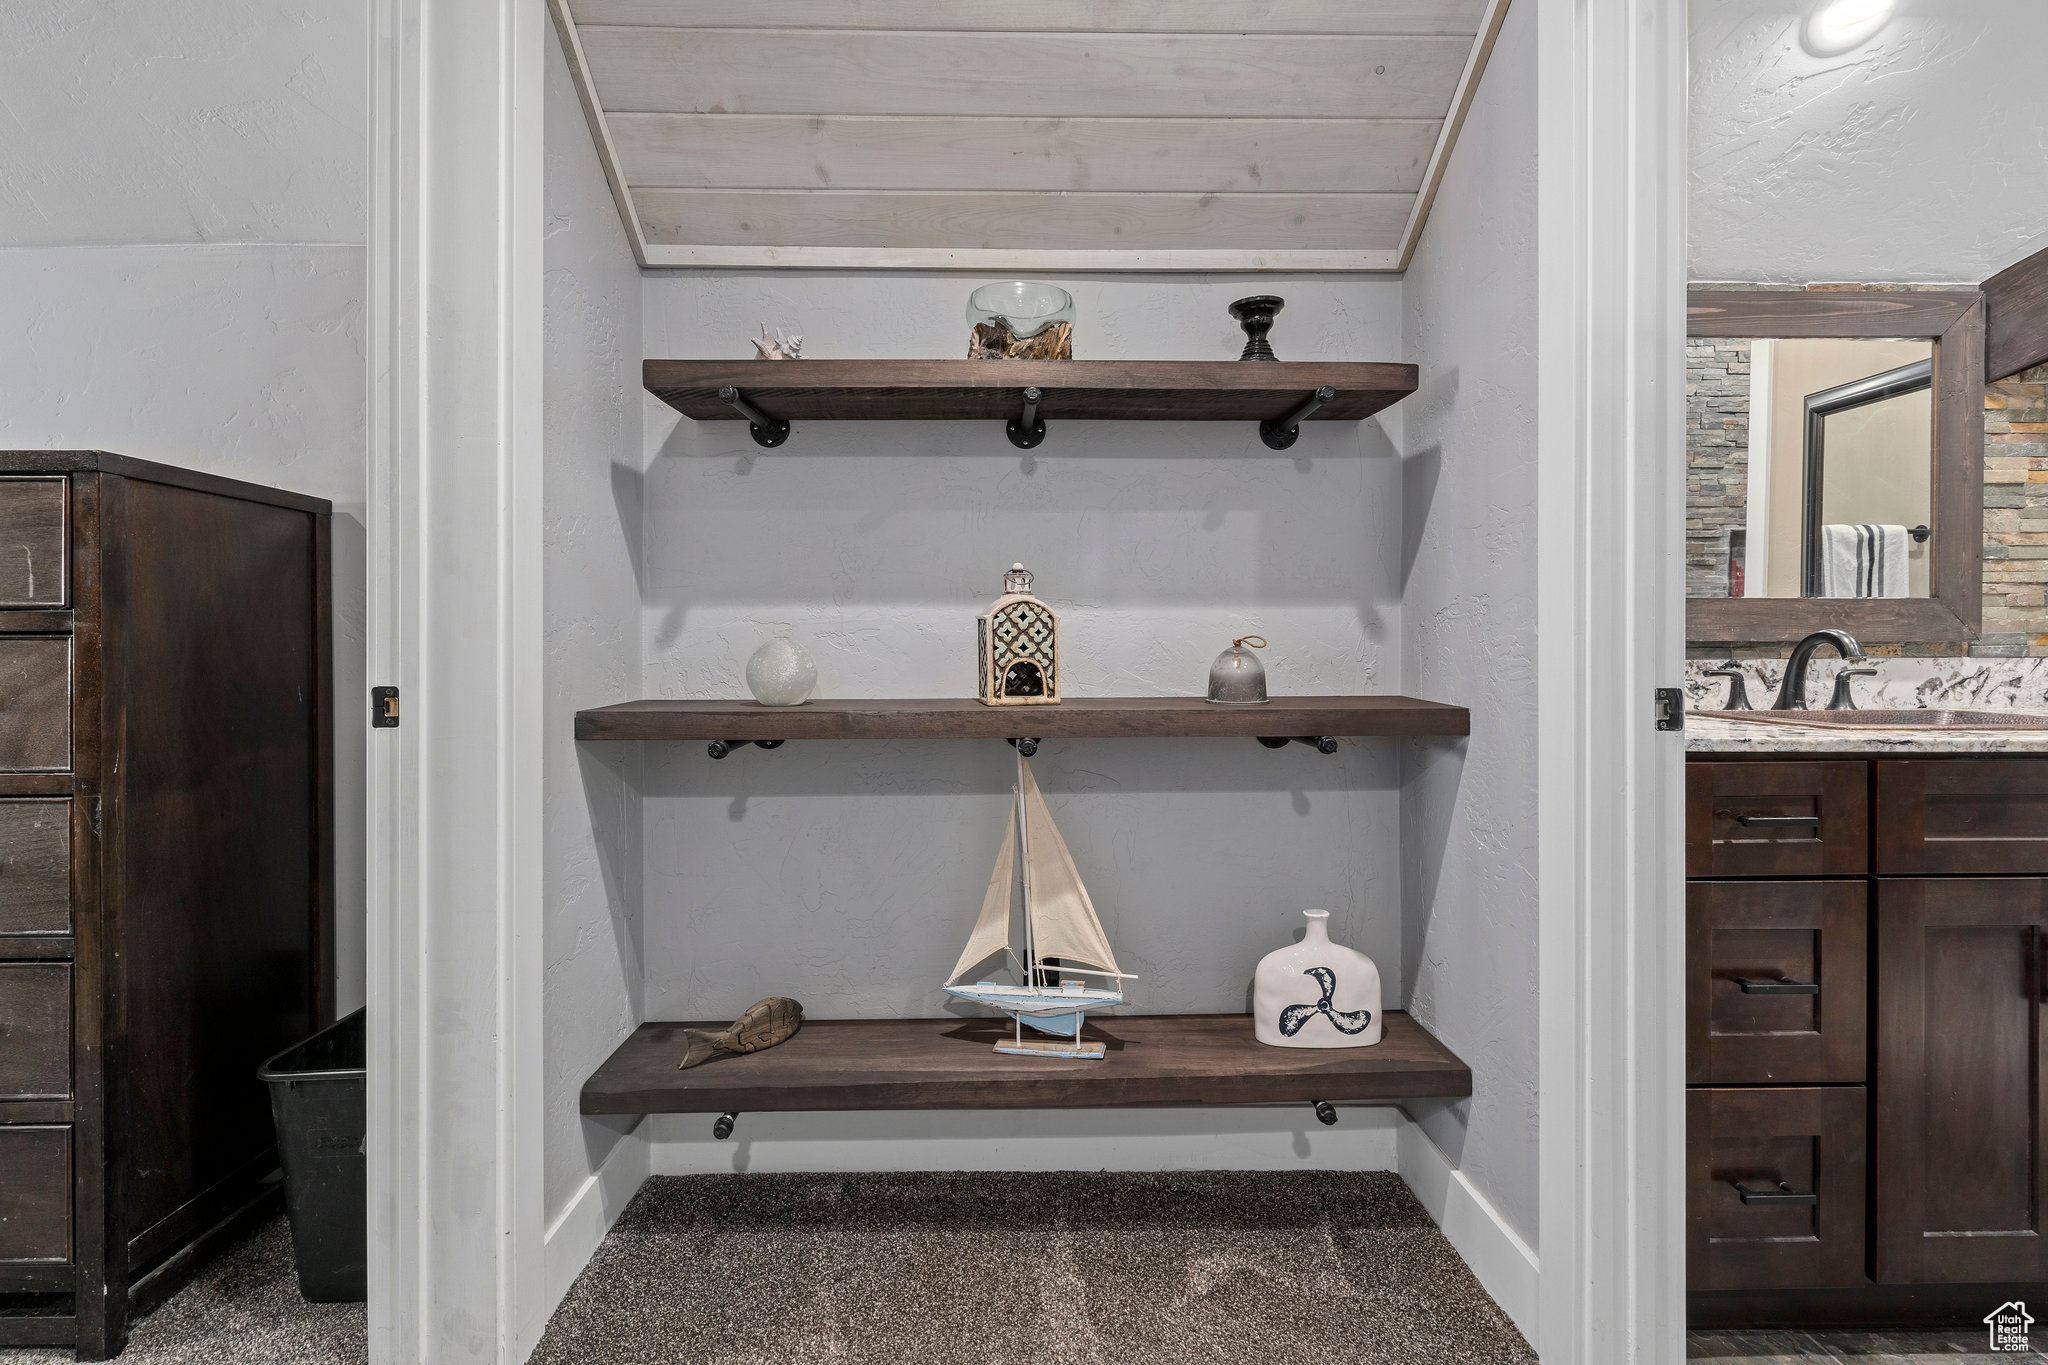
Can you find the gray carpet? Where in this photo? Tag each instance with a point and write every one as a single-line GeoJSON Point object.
{"type": "Point", "coordinates": [243, 1309]}
{"type": "Point", "coordinates": [938, 1269]}
{"type": "Point", "coordinates": [986, 1269]}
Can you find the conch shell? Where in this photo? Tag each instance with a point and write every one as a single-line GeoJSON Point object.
{"type": "Point", "coordinates": [762, 1024]}
{"type": "Point", "coordinates": [778, 346]}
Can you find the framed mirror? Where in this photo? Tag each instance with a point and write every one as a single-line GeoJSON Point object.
{"type": "Point", "coordinates": [1834, 465]}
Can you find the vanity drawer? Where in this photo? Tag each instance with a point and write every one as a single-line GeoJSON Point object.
{"type": "Point", "coordinates": [35, 703]}
{"type": "Point", "coordinates": [1799, 1154]}
{"type": "Point", "coordinates": [35, 867]}
{"type": "Point", "coordinates": [35, 1030]}
{"type": "Point", "coordinates": [1776, 979]}
{"type": "Point", "coordinates": [1962, 815]}
{"type": "Point", "coordinates": [35, 1198]}
{"type": "Point", "coordinates": [1776, 819]}
{"type": "Point", "coordinates": [35, 560]}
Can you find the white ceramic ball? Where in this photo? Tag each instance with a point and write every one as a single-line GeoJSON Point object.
{"type": "Point", "coordinates": [781, 673]}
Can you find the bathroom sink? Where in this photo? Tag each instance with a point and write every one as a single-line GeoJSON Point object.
{"type": "Point", "coordinates": [1917, 719]}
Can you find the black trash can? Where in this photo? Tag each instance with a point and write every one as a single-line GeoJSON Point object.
{"type": "Point", "coordinates": [316, 1096]}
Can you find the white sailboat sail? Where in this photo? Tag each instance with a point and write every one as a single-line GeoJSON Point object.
{"type": "Point", "coordinates": [992, 931]}
{"type": "Point", "coordinates": [1063, 922]}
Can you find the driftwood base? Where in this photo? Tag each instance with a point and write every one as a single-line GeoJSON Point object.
{"type": "Point", "coordinates": [993, 341]}
{"type": "Point", "coordinates": [1052, 1047]}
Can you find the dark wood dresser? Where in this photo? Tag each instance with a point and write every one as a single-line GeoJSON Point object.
{"type": "Point", "coordinates": [1867, 1039]}
{"type": "Point", "coordinates": [166, 871]}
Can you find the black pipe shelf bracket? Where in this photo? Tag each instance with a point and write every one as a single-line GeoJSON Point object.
{"type": "Point", "coordinates": [1322, 744]}
{"type": "Point", "coordinates": [721, 1128]}
{"type": "Point", "coordinates": [1027, 432]}
{"type": "Point", "coordinates": [768, 432]}
{"type": "Point", "coordinates": [1280, 433]}
{"type": "Point", "coordinates": [1026, 747]}
{"type": "Point", "coordinates": [1326, 1113]}
{"type": "Point", "coordinates": [719, 748]}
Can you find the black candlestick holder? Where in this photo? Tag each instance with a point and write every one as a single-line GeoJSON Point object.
{"type": "Point", "coordinates": [1255, 315]}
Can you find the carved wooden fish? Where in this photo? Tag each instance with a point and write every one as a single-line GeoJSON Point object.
{"type": "Point", "coordinates": [762, 1024]}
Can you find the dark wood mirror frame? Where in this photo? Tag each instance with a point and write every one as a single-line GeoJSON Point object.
{"type": "Point", "coordinates": [1954, 609]}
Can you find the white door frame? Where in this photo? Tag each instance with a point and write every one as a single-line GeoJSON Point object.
{"type": "Point", "coordinates": [1611, 142]}
{"type": "Point", "coordinates": [456, 1217]}
{"type": "Point", "coordinates": [454, 617]}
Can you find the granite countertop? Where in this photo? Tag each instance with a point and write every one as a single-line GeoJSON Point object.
{"type": "Point", "coordinates": [1707, 733]}
{"type": "Point", "coordinates": [1902, 684]}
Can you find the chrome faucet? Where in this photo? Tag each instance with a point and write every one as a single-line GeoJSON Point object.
{"type": "Point", "coordinates": [1792, 692]}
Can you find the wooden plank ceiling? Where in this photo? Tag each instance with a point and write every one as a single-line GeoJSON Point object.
{"type": "Point", "coordinates": [1026, 134]}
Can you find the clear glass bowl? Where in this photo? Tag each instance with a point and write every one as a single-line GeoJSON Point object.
{"type": "Point", "coordinates": [1022, 320]}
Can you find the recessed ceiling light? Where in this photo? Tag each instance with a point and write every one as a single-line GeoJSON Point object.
{"type": "Point", "coordinates": [1840, 25]}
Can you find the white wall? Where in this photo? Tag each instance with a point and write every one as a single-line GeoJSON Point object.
{"type": "Point", "coordinates": [847, 874]}
{"type": "Point", "coordinates": [181, 274]}
{"type": "Point", "coordinates": [1469, 809]}
{"type": "Point", "coordinates": [591, 531]}
{"type": "Point", "coordinates": [155, 121]}
{"type": "Point", "coordinates": [1921, 155]}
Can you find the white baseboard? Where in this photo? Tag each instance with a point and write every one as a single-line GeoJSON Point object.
{"type": "Point", "coordinates": [1505, 1265]}
{"type": "Point", "coordinates": [1247, 1138]}
{"type": "Point", "coordinates": [574, 1235]}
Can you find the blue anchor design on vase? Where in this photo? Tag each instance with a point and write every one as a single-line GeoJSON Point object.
{"type": "Point", "coordinates": [1346, 1010]}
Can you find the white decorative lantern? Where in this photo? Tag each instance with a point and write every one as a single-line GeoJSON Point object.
{"type": "Point", "coordinates": [1018, 642]}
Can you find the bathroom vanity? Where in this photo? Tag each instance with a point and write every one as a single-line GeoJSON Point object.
{"type": "Point", "coordinates": [1867, 1023]}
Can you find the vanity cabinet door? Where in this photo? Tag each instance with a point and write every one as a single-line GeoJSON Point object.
{"type": "Point", "coordinates": [1776, 819]}
{"type": "Point", "coordinates": [1962, 1056]}
{"type": "Point", "coordinates": [1944, 816]}
{"type": "Point", "coordinates": [1775, 979]}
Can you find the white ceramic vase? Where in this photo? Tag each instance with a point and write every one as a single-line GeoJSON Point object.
{"type": "Point", "coordinates": [781, 673]}
{"type": "Point", "coordinates": [1316, 993]}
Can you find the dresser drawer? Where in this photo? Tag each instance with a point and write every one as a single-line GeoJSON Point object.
{"type": "Point", "coordinates": [1798, 1154]}
{"type": "Point", "coordinates": [1776, 979]}
{"type": "Point", "coordinates": [1962, 815]}
{"type": "Point", "coordinates": [35, 1030]}
{"type": "Point", "coordinates": [35, 1198]}
{"type": "Point", "coordinates": [35, 703]}
{"type": "Point", "coordinates": [1776, 819]}
{"type": "Point", "coordinates": [35, 867]}
{"type": "Point", "coordinates": [35, 558]}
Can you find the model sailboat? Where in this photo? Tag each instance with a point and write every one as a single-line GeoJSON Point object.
{"type": "Point", "coordinates": [1059, 923]}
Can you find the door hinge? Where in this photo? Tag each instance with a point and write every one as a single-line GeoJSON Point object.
{"type": "Point", "coordinates": [1668, 706]}
{"type": "Point", "coordinates": [384, 708]}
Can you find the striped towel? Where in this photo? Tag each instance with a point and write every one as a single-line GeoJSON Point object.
{"type": "Point", "coordinates": [1863, 561]}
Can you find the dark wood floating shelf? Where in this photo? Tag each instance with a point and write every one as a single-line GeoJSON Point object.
{"type": "Point", "coordinates": [1074, 718]}
{"type": "Point", "coordinates": [951, 1064]}
{"type": "Point", "coordinates": [993, 390]}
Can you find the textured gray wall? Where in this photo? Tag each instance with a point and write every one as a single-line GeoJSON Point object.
{"type": "Point", "coordinates": [848, 874]}
{"type": "Point", "coordinates": [1469, 809]}
{"type": "Point", "coordinates": [591, 509]}
{"type": "Point", "coordinates": [1917, 156]}
{"type": "Point", "coordinates": [161, 121]}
